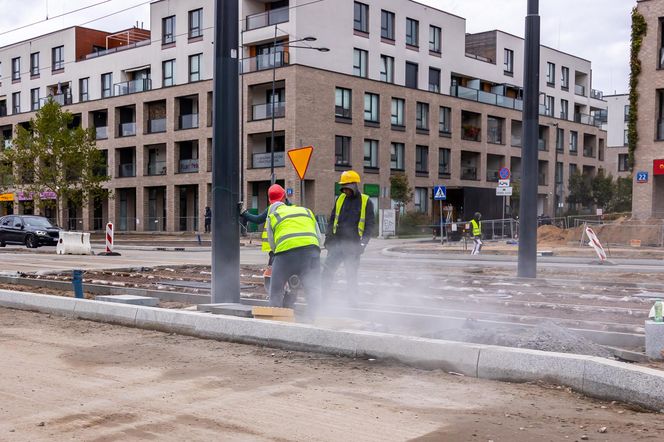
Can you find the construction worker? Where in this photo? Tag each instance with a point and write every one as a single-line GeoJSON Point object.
{"type": "Point", "coordinates": [294, 239]}
{"type": "Point", "coordinates": [348, 232]}
{"type": "Point", "coordinates": [476, 233]}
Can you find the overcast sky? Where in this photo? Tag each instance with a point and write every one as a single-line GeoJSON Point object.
{"type": "Point", "coordinates": [597, 30]}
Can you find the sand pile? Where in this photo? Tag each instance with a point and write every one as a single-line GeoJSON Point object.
{"type": "Point", "coordinates": [551, 235]}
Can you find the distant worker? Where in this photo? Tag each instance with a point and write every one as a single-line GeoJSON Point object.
{"type": "Point", "coordinates": [294, 239]}
{"type": "Point", "coordinates": [208, 219]}
{"type": "Point", "coordinates": [476, 233]}
{"type": "Point", "coordinates": [350, 227]}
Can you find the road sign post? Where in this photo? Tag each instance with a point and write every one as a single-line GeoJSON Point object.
{"type": "Point", "coordinates": [503, 183]}
{"type": "Point", "coordinates": [440, 195]}
{"type": "Point", "coordinates": [300, 158]}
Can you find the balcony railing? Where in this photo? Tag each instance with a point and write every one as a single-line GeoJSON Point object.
{"type": "Point", "coordinates": [61, 99]}
{"type": "Point", "coordinates": [263, 160]}
{"type": "Point", "coordinates": [597, 95]}
{"type": "Point", "coordinates": [188, 121]}
{"type": "Point", "coordinates": [133, 86]}
{"type": "Point", "coordinates": [101, 133]}
{"type": "Point", "coordinates": [492, 175]}
{"type": "Point", "coordinates": [588, 152]}
{"type": "Point", "coordinates": [117, 49]}
{"type": "Point", "coordinates": [188, 166]}
{"type": "Point", "coordinates": [127, 129]}
{"type": "Point", "coordinates": [495, 136]}
{"type": "Point", "coordinates": [587, 119]}
{"type": "Point", "coordinates": [157, 125]}
{"type": "Point", "coordinates": [127, 170]}
{"type": "Point", "coordinates": [269, 18]}
{"type": "Point", "coordinates": [471, 132]}
{"type": "Point", "coordinates": [486, 97]}
{"type": "Point", "coordinates": [264, 111]}
{"type": "Point", "coordinates": [541, 179]}
{"type": "Point", "coordinates": [660, 130]}
{"type": "Point", "coordinates": [157, 168]}
{"type": "Point", "coordinates": [580, 90]}
{"type": "Point", "coordinates": [264, 61]}
{"type": "Point", "coordinates": [469, 173]}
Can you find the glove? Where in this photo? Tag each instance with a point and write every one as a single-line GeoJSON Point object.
{"type": "Point", "coordinates": [240, 207]}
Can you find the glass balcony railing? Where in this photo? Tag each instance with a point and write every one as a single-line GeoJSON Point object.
{"type": "Point", "coordinates": [62, 99]}
{"type": "Point", "coordinates": [541, 145]}
{"type": "Point", "coordinates": [127, 129]}
{"type": "Point", "coordinates": [580, 90]}
{"type": "Point", "coordinates": [126, 170]}
{"type": "Point", "coordinates": [486, 97]}
{"type": "Point", "coordinates": [133, 86]}
{"type": "Point", "coordinates": [188, 166]}
{"type": "Point", "coordinates": [101, 133]}
{"type": "Point", "coordinates": [597, 95]}
{"type": "Point", "coordinates": [157, 168]}
{"type": "Point", "coordinates": [264, 111]}
{"type": "Point", "coordinates": [492, 175]}
{"type": "Point", "coordinates": [157, 125]}
{"type": "Point", "coordinates": [587, 119]}
{"type": "Point", "coordinates": [188, 121]}
{"type": "Point", "coordinates": [588, 152]}
{"type": "Point", "coordinates": [263, 160]}
{"type": "Point", "coordinates": [262, 19]}
{"type": "Point", "coordinates": [264, 61]}
{"type": "Point", "coordinates": [469, 173]}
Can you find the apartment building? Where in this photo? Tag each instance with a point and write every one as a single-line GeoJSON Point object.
{"type": "Point", "coordinates": [616, 130]}
{"type": "Point", "coordinates": [403, 88]}
{"type": "Point", "coordinates": [648, 194]}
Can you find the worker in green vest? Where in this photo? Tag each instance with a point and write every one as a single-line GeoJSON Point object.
{"type": "Point", "coordinates": [350, 227]}
{"type": "Point", "coordinates": [294, 239]}
{"type": "Point", "coordinates": [476, 233]}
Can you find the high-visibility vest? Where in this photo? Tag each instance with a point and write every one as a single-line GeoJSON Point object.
{"type": "Point", "coordinates": [477, 227]}
{"type": "Point", "coordinates": [363, 213]}
{"type": "Point", "coordinates": [265, 243]}
{"type": "Point", "coordinates": [292, 227]}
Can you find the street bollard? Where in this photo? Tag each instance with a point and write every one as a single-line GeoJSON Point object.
{"type": "Point", "coordinates": [77, 282]}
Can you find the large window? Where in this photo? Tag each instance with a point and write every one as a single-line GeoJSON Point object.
{"type": "Point", "coordinates": [623, 162]}
{"type": "Point", "coordinates": [445, 120]}
{"type": "Point", "coordinates": [421, 199]}
{"type": "Point", "coordinates": [509, 62]}
{"type": "Point", "coordinates": [361, 17]}
{"type": "Point", "coordinates": [34, 64]}
{"type": "Point", "coordinates": [560, 140]}
{"type": "Point", "coordinates": [58, 58]}
{"type": "Point", "coordinates": [387, 68]}
{"type": "Point", "coordinates": [360, 57]}
{"type": "Point", "coordinates": [564, 82]}
{"type": "Point", "coordinates": [16, 68]}
{"type": "Point", "coordinates": [195, 67]}
{"type": "Point", "coordinates": [16, 103]}
{"type": "Point", "coordinates": [564, 109]}
{"type": "Point", "coordinates": [168, 30]}
{"type": "Point", "coordinates": [398, 105]}
{"type": "Point", "coordinates": [34, 99]}
{"type": "Point", "coordinates": [422, 159]}
{"type": "Point", "coordinates": [168, 70]}
{"type": "Point", "coordinates": [434, 39]}
{"type": "Point", "coordinates": [387, 25]}
{"type": "Point", "coordinates": [549, 105]}
{"type": "Point", "coordinates": [411, 75]}
{"type": "Point", "coordinates": [412, 32]}
{"type": "Point", "coordinates": [396, 156]}
{"type": "Point", "coordinates": [106, 85]}
{"type": "Point", "coordinates": [196, 23]}
{"type": "Point", "coordinates": [573, 142]}
{"type": "Point", "coordinates": [371, 154]}
{"type": "Point", "coordinates": [83, 89]}
{"type": "Point", "coordinates": [422, 116]}
{"type": "Point", "coordinates": [342, 105]}
{"type": "Point", "coordinates": [371, 107]}
{"type": "Point", "coordinates": [444, 162]}
{"type": "Point", "coordinates": [550, 74]}
{"type": "Point", "coordinates": [341, 151]}
{"type": "Point", "coordinates": [434, 80]}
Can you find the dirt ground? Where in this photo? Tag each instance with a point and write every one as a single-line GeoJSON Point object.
{"type": "Point", "coordinates": [67, 379]}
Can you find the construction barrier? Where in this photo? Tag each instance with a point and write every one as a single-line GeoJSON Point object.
{"type": "Point", "coordinates": [109, 238]}
{"type": "Point", "coordinates": [73, 243]}
{"type": "Point", "coordinates": [595, 244]}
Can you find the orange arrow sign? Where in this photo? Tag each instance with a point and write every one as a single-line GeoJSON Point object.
{"type": "Point", "coordinates": [300, 158]}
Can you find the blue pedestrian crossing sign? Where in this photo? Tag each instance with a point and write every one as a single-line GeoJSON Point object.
{"type": "Point", "coordinates": [439, 193]}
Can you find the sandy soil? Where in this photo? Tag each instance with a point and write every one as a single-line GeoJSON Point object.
{"type": "Point", "coordinates": [66, 379]}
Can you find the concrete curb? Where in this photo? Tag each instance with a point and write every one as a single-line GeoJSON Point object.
{"type": "Point", "coordinates": [593, 376]}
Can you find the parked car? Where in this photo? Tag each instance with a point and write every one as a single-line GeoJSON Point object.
{"type": "Point", "coordinates": [31, 230]}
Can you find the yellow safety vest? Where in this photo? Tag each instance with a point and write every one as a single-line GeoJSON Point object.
{"type": "Point", "coordinates": [363, 213]}
{"type": "Point", "coordinates": [291, 227]}
{"type": "Point", "coordinates": [265, 244]}
{"type": "Point", "coordinates": [477, 227]}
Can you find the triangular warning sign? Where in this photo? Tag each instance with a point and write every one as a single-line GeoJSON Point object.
{"type": "Point", "coordinates": [300, 158]}
{"type": "Point", "coordinates": [440, 194]}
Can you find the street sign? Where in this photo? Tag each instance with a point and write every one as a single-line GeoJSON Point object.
{"type": "Point", "coordinates": [289, 191]}
{"type": "Point", "coordinates": [503, 191]}
{"type": "Point", "coordinates": [300, 158]}
{"type": "Point", "coordinates": [504, 173]}
{"type": "Point", "coordinates": [503, 183]}
{"type": "Point", "coordinates": [439, 193]}
{"type": "Point", "coordinates": [641, 177]}
{"type": "Point", "coordinates": [658, 167]}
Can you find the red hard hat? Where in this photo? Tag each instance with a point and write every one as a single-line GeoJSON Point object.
{"type": "Point", "coordinates": [276, 193]}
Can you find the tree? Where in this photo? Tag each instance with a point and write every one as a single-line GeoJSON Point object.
{"type": "Point", "coordinates": [400, 191]}
{"type": "Point", "coordinates": [54, 156]}
{"type": "Point", "coordinates": [622, 196]}
{"type": "Point", "coordinates": [602, 189]}
{"type": "Point", "coordinates": [580, 190]}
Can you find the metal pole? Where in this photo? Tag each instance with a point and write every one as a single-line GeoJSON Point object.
{"type": "Point", "coordinates": [440, 206]}
{"type": "Point", "coordinates": [502, 221]}
{"type": "Point", "coordinates": [274, 74]}
{"type": "Point", "coordinates": [225, 167]}
{"type": "Point", "coordinates": [528, 211]}
{"type": "Point", "coordinates": [302, 203]}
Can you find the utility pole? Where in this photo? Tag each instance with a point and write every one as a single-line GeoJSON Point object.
{"type": "Point", "coordinates": [225, 166]}
{"type": "Point", "coordinates": [529, 153]}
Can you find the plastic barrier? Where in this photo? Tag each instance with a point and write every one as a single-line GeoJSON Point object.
{"type": "Point", "coordinates": [73, 243]}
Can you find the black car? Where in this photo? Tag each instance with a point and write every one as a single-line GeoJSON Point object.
{"type": "Point", "coordinates": [31, 230]}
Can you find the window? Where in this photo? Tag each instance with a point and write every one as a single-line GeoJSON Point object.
{"type": "Point", "coordinates": [106, 85]}
{"type": "Point", "coordinates": [360, 62]}
{"type": "Point", "coordinates": [445, 120]}
{"type": "Point", "coordinates": [564, 80]}
{"type": "Point", "coordinates": [387, 69]}
{"type": "Point", "coordinates": [564, 109]}
{"type": "Point", "coordinates": [660, 114]}
{"type": "Point", "coordinates": [371, 108]}
{"type": "Point", "coordinates": [623, 162]}
{"type": "Point", "coordinates": [58, 58]}
{"type": "Point", "coordinates": [34, 64]}
{"type": "Point", "coordinates": [572, 169]}
{"type": "Point", "coordinates": [626, 111]}
{"type": "Point", "coordinates": [412, 30]}
{"type": "Point", "coordinates": [168, 70]}
{"type": "Point", "coordinates": [434, 39]}
{"type": "Point", "coordinates": [509, 61]}
{"type": "Point", "coordinates": [361, 17]}
{"type": "Point", "coordinates": [16, 103]}
{"type": "Point", "coordinates": [422, 159]}
{"type": "Point", "coordinates": [560, 140]}
{"type": "Point", "coordinates": [396, 156]}
{"type": "Point", "coordinates": [444, 162]}
{"type": "Point", "coordinates": [559, 173]}
{"type": "Point", "coordinates": [196, 23]}
{"type": "Point", "coordinates": [83, 89]}
{"type": "Point", "coordinates": [549, 104]}
{"type": "Point", "coordinates": [495, 130]}
{"type": "Point", "coordinates": [195, 67]}
{"type": "Point", "coordinates": [342, 106]}
{"type": "Point", "coordinates": [625, 137]}
{"type": "Point", "coordinates": [421, 199]}
{"type": "Point", "coordinates": [398, 105]}
{"type": "Point", "coordinates": [168, 30]}
{"type": "Point", "coordinates": [411, 75]}
{"type": "Point", "coordinates": [573, 142]}
{"type": "Point", "coordinates": [371, 154]}
{"type": "Point", "coordinates": [550, 74]}
{"type": "Point", "coordinates": [34, 99]}
{"type": "Point", "coordinates": [16, 69]}
{"type": "Point", "coordinates": [342, 151]}
{"type": "Point", "coordinates": [422, 116]}
{"type": "Point", "coordinates": [387, 25]}
{"type": "Point", "coordinates": [434, 80]}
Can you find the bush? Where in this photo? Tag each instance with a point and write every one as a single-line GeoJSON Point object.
{"type": "Point", "coordinates": [414, 223]}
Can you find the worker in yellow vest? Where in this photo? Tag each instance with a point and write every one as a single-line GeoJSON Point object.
{"type": "Point", "coordinates": [294, 239]}
{"type": "Point", "coordinates": [350, 227]}
{"type": "Point", "coordinates": [476, 233]}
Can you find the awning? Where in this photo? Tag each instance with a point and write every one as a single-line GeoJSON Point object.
{"type": "Point", "coordinates": [6, 197]}
{"type": "Point", "coordinates": [139, 68]}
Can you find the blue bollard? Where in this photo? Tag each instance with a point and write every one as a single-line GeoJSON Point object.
{"type": "Point", "coordinates": [77, 282]}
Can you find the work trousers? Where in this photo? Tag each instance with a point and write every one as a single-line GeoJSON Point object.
{"type": "Point", "coordinates": [348, 253]}
{"type": "Point", "coordinates": [477, 246]}
{"type": "Point", "coordinates": [303, 262]}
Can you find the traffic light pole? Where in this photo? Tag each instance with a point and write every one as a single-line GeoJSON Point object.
{"type": "Point", "coordinates": [528, 205]}
{"type": "Point", "coordinates": [225, 156]}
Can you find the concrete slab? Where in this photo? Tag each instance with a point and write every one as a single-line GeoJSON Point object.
{"type": "Point", "coordinates": [45, 303]}
{"type": "Point", "coordinates": [208, 307]}
{"type": "Point", "coordinates": [232, 309]}
{"type": "Point", "coordinates": [129, 299]}
{"type": "Point", "coordinates": [655, 340]}
{"type": "Point", "coordinates": [111, 312]}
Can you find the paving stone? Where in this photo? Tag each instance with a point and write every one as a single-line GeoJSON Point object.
{"type": "Point", "coordinates": [115, 313]}
{"type": "Point", "coordinates": [129, 299]}
{"type": "Point", "coordinates": [655, 340]}
{"type": "Point", "coordinates": [232, 309]}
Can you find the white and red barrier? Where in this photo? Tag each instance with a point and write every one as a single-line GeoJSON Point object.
{"type": "Point", "coordinates": [109, 238]}
{"type": "Point", "coordinates": [595, 244]}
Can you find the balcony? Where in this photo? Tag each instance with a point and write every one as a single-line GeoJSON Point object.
{"type": "Point", "coordinates": [101, 133]}
{"type": "Point", "coordinates": [61, 99]}
{"type": "Point", "coordinates": [133, 86]}
{"type": "Point", "coordinates": [264, 111]}
{"type": "Point", "coordinates": [157, 125]}
{"type": "Point", "coordinates": [587, 119]}
{"type": "Point", "coordinates": [471, 133]}
{"type": "Point", "coordinates": [188, 121]}
{"type": "Point", "coordinates": [492, 175]}
{"type": "Point", "coordinates": [541, 145]}
{"type": "Point", "coordinates": [127, 129]}
{"type": "Point", "coordinates": [580, 90]}
{"type": "Point", "coordinates": [157, 168]}
{"type": "Point", "coordinates": [486, 97]}
{"type": "Point", "coordinates": [588, 152]}
{"type": "Point", "coordinates": [469, 173]}
{"type": "Point", "coordinates": [597, 95]}
{"type": "Point", "coordinates": [269, 18]}
{"type": "Point", "coordinates": [263, 160]}
{"type": "Point", "coordinates": [127, 170]}
{"type": "Point", "coordinates": [541, 179]}
{"type": "Point", "coordinates": [263, 62]}
{"type": "Point", "coordinates": [188, 166]}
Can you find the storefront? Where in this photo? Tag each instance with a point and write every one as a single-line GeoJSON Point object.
{"type": "Point", "coordinates": [6, 204]}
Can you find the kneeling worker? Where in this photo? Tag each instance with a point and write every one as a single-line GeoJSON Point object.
{"type": "Point", "coordinates": [294, 238]}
